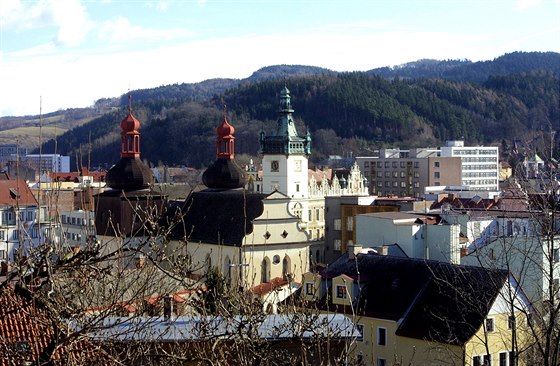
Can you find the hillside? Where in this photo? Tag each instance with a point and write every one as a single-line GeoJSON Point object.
{"type": "Point", "coordinates": [345, 112]}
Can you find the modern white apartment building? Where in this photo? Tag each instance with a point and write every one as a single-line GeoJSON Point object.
{"type": "Point", "coordinates": [479, 164]}
{"type": "Point", "coordinates": [47, 163]}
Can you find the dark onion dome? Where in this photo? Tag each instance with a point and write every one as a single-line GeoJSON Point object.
{"type": "Point", "coordinates": [130, 173]}
{"type": "Point", "coordinates": [224, 173]}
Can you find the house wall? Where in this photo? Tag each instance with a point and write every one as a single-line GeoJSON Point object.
{"type": "Point", "coordinates": [374, 231]}
{"type": "Point", "coordinates": [523, 256]}
{"type": "Point", "coordinates": [442, 242]}
{"type": "Point", "coordinates": [419, 352]}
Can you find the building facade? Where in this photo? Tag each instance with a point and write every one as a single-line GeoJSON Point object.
{"type": "Point", "coordinates": [406, 173]}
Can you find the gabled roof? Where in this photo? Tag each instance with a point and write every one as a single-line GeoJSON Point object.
{"type": "Point", "coordinates": [29, 333]}
{"type": "Point", "coordinates": [219, 216]}
{"type": "Point", "coordinates": [14, 191]}
{"type": "Point", "coordinates": [432, 300]}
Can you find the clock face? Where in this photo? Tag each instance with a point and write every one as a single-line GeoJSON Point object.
{"type": "Point", "coordinates": [274, 166]}
{"type": "Point", "coordinates": [297, 165]}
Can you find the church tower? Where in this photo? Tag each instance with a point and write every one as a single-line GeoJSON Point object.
{"type": "Point", "coordinates": [285, 154]}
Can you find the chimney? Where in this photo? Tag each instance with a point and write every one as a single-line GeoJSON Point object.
{"type": "Point", "coordinates": [167, 307]}
{"type": "Point", "coordinates": [384, 250]}
{"type": "Point", "coordinates": [353, 250]}
{"type": "Point", "coordinates": [464, 251]}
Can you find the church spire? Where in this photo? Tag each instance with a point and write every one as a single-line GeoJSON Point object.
{"type": "Point", "coordinates": [225, 145]}
{"type": "Point", "coordinates": [130, 137]}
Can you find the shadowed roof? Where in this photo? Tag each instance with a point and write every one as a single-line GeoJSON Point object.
{"type": "Point", "coordinates": [435, 301]}
{"type": "Point", "coordinates": [219, 216]}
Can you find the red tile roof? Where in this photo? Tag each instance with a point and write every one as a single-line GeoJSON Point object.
{"type": "Point", "coordinates": [27, 333]}
{"type": "Point", "coordinates": [267, 287]}
{"type": "Point", "coordinates": [14, 191]}
{"type": "Point", "coordinates": [74, 176]}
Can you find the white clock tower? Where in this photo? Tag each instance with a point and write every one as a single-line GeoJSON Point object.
{"type": "Point", "coordinates": [285, 155]}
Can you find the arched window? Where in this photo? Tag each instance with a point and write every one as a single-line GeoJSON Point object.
{"type": "Point", "coordinates": [227, 269]}
{"type": "Point", "coordinates": [285, 267]}
{"type": "Point", "coordinates": [265, 270]}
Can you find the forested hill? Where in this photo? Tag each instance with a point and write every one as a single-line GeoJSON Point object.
{"type": "Point", "coordinates": [479, 72]}
{"type": "Point", "coordinates": [345, 112]}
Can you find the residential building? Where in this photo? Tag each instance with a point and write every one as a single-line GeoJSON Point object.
{"type": "Point", "coordinates": [422, 312]}
{"type": "Point", "coordinates": [409, 172]}
{"type": "Point", "coordinates": [479, 165]}
{"type": "Point", "coordinates": [419, 235]}
{"type": "Point", "coordinates": [22, 223]}
{"type": "Point", "coordinates": [11, 152]}
{"type": "Point", "coordinates": [406, 173]}
{"type": "Point", "coordinates": [340, 219]}
{"type": "Point", "coordinates": [46, 163]}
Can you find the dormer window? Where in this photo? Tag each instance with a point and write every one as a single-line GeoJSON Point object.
{"type": "Point", "coordinates": [341, 292]}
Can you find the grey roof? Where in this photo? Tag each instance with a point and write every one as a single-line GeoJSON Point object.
{"type": "Point", "coordinates": [431, 300]}
{"type": "Point", "coordinates": [199, 328]}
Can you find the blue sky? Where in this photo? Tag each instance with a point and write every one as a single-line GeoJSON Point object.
{"type": "Point", "coordinates": [70, 53]}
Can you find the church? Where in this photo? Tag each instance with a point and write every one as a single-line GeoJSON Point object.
{"type": "Point", "coordinates": [251, 237]}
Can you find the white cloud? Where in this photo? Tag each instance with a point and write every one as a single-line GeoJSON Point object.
{"type": "Point", "coordinates": [68, 16]}
{"type": "Point", "coordinates": [121, 30]}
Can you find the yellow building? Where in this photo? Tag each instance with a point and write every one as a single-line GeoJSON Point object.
{"type": "Point", "coordinates": [418, 312]}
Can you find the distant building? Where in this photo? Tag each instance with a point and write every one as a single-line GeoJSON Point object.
{"type": "Point", "coordinates": [409, 172]}
{"type": "Point", "coordinates": [10, 152]}
{"type": "Point", "coordinates": [406, 173]}
{"type": "Point", "coordinates": [47, 163]}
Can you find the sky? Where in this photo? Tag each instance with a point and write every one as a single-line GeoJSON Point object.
{"type": "Point", "coordinates": [58, 54]}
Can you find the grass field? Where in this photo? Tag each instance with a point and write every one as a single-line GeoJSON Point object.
{"type": "Point", "coordinates": [29, 136]}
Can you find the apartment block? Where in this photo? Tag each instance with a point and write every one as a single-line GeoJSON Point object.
{"type": "Point", "coordinates": [407, 173]}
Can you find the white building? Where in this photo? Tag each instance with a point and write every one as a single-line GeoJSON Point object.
{"type": "Point", "coordinates": [45, 163]}
{"type": "Point", "coordinates": [418, 236]}
{"type": "Point", "coordinates": [480, 165]}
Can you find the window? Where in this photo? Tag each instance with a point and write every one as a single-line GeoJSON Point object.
{"type": "Point", "coordinates": [436, 164]}
{"type": "Point", "coordinates": [436, 174]}
{"type": "Point", "coordinates": [477, 361]}
{"type": "Point", "coordinates": [416, 174]}
{"type": "Point", "coordinates": [15, 235]}
{"type": "Point", "coordinates": [381, 362]}
{"type": "Point", "coordinates": [2, 233]}
{"type": "Point", "coordinates": [556, 255]}
{"type": "Point", "coordinates": [2, 254]}
{"type": "Point", "coordinates": [381, 336]}
{"type": "Point", "coordinates": [337, 244]}
{"type": "Point", "coordinates": [360, 329]}
{"type": "Point", "coordinates": [490, 325]}
{"type": "Point", "coordinates": [341, 292]}
{"type": "Point", "coordinates": [297, 187]}
{"type": "Point", "coordinates": [337, 224]}
{"type": "Point", "coordinates": [503, 359]}
{"type": "Point", "coordinates": [309, 288]}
